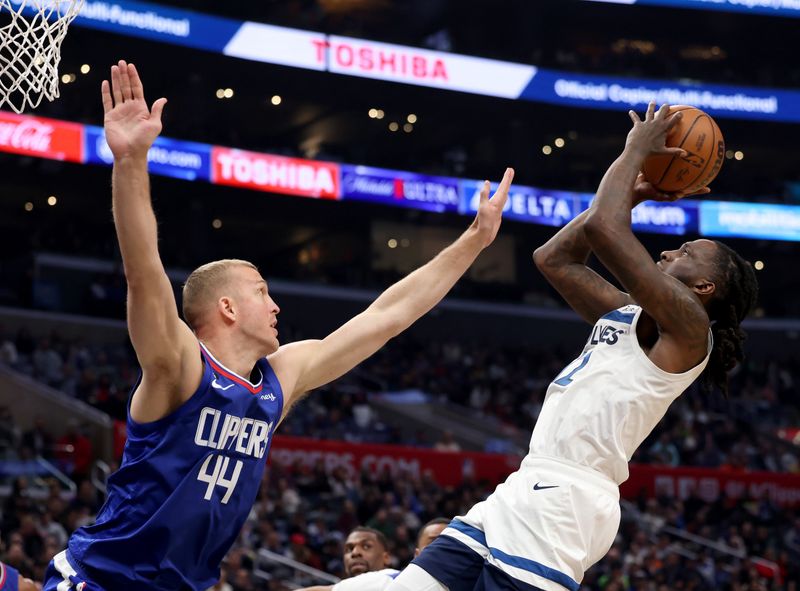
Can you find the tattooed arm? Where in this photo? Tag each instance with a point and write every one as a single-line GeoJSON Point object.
{"type": "Point", "coordinates": [562, 260]}
{"type": "Point", "coordinates": [679, 313]}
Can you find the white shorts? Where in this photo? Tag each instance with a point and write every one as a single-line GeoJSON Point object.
{"type": "Point", "coordinates": [546, 524]}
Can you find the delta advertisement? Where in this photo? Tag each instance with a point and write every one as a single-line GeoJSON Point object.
{"type": "Point", "coordinates": [527, 204]}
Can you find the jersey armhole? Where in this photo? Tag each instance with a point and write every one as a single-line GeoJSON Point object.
{"type": "Point", "coordinates": [193, 401]}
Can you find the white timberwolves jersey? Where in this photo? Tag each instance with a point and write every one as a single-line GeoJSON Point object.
{"type": "Point", "coordinates": [606, 402]}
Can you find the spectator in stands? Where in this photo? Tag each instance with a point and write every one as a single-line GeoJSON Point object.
{"type": "Point", "coordinates": [75, 451]}
{"type": "Point", "coordinates": [47, 363]}
{"type": "Point", "coordinates": [38, 439]}
{"type": "Point", "coordinates": [447, 443]}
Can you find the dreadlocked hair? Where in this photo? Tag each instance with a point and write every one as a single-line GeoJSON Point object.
{"type": "Point", "coordinates": [736, 293]}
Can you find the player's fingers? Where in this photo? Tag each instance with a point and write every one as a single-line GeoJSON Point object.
{"type": "Point", "coordinates": [501, 195]}
{"type": "Point", "coordinates": [663, 111]}
{"type": "Point", "coordinates": [703, 191]}
{"type": "Point", "coordinates": [158, 109]}
{"type": "Point", "coordinates": [680, 152]}
{"type": "Point", "coordinates": [485, 189]}
{"type": "Point", "coordinates": [127, 94]}
{"type": "Point", "coordinates": [105, 93]}
{"type": "Point", "coordinates": [634, 117]}
{"type": "Point", "coordinates": [674, 120]}
{"type": "Point", "coordinates": [137, 88]}
{"type": "Point", "coordinates": [116, 84]}
{"type": "Point", "coordinates": [651, 109]}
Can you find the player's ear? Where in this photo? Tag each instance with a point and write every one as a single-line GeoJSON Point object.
{"type": "Point", "coordinates": [704, 287]}
{"type": "Point", "coordinates": [386, 558]}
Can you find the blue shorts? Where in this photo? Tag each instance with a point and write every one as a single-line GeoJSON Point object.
{"type": "Point", "coordinates": [459, 568]}
{"type": "Point", "coordinates": [60, 570]}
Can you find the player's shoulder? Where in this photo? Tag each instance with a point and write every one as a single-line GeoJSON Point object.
{"type": "Point", "coordinates": [377, 580]}
{"type": "Point", "coordinates": [624, 314]}
{"type": "Point", "coordinates": [9, 578]}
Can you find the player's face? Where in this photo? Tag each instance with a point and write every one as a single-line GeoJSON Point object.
{"type": "Point", "coordinates": [259, 311]}
{"type": "Point", "coordinates": [691, 262]}
{"type": "Point", "coordinates": [428, 535]}
{"type": "Point", "coordinates": [363, 553]}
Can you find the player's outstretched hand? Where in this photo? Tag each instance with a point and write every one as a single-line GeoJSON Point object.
{"type": "Point", "coordinates": [643, 190]}
{"type": "Point", "coordinates": [490, 211]}
{"type": "Point", "coordinates": [650, 136]}
{"type": "Point", "coordinates": [131, 128]}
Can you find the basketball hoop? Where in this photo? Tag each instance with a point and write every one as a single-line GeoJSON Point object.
{"type": "Point", "coordinates": [31, 32]}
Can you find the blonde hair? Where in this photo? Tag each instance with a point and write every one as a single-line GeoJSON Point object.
{"type": "Point", "coordinates": [203, 285]}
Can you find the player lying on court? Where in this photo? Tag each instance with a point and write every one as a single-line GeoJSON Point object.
{"type": "Point", "coordinates": [559, 513]}
{"type": "Point", "coordinates": [213, 389]}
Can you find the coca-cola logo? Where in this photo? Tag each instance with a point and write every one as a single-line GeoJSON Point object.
{"type": "Point", "coordinates": [29, 135]}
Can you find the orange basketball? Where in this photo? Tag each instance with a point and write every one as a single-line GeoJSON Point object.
{"type": "Point", "coordinates": [699, 135]}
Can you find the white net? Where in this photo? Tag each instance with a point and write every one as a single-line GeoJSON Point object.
{"type": "Point", "coordinates": [31, 32]}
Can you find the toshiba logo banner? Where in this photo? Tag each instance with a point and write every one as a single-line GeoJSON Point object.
{"type": "Point", "coordinates": [422, 67]}
{"type": "Point", "coordinates": [45, 138]}
{"type": "Point", "coordinates": [275, 174]}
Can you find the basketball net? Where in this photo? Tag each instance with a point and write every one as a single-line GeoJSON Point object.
{"type": "Point", "coordinates": [31, 32]}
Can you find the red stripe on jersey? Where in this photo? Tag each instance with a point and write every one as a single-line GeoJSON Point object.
{"type": "Point", "coordinates": [235, 378]}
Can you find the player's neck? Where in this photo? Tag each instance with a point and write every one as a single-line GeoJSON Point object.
{"type": "Point", "coordinates": [235, 354]}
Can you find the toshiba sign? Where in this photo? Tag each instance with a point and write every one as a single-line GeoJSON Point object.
{"type": "Point", "coordinates": [276, 174]}
{"type": "Point", "coordinates": [422, 67]}
{"type": "Point", "coordinates": [45, 138]}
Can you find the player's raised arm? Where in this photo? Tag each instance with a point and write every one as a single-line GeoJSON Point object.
{"type": "Point", "coordinates": [306, 365]}
{"type": "Point", "coordinates": [562, 260]}
{"type": "Point", "coordinates": [166, 348]}
{"type": "Point", "coordinates": [678, 311]}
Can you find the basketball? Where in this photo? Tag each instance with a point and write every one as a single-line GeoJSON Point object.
{"type": "Point", "coordinates": [700, 136]}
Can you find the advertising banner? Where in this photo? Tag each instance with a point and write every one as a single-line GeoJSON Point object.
{"type": "Point", "coordinates": [527, 204]}
{"type": "Point", "coordinates": [174, 158]}
{"type": "Point", "coordinates": [43, 138]}
{"type": "Point", "coordinates": [400, 189]}
{"type": "Point", "coordinates": [275, 174]}
{"type": "Point", "coordinates": [709, 485]}
{"type": "Point", "coordinates": [158, 23]}
{"type": "Point", "coordinates": [606, 92]}
{"type": "Point", "coordinates": [423, 67]}
{"type": "Point", "coordinates": [447, 468]}
{"type": "Point", "coordinates": [678, 217]}
{"type": "Point", "coordinates": [750, 220]}
{"type": "Point", "coordinates": [789, 8]}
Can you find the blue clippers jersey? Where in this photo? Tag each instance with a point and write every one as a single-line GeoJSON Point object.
{"type": "Point", "coordinates": [185, 487]}
{"type": "Point", "coordinates": [9, 578]}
